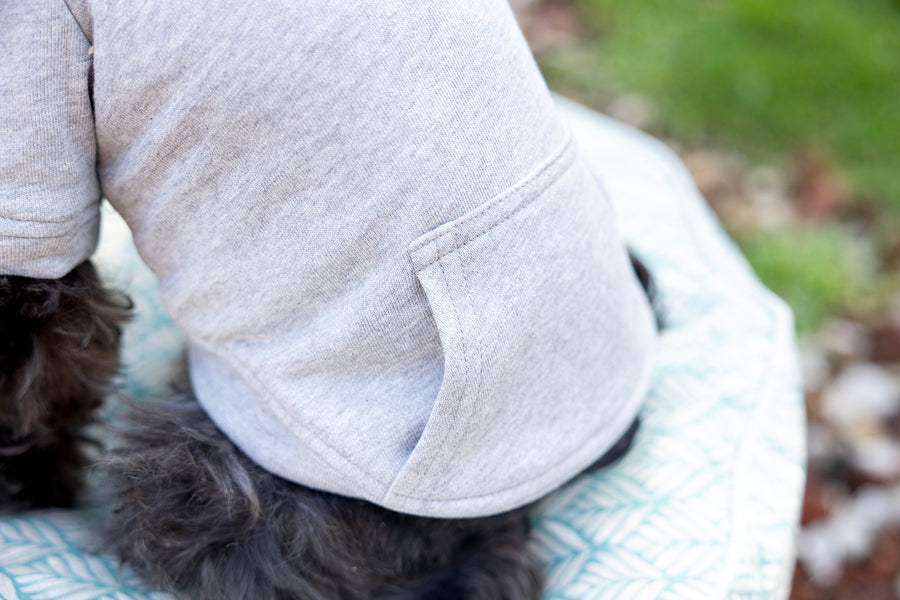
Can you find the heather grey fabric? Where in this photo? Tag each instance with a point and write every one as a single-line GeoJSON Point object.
{"type": "Point", "coordinates": [399, 279]}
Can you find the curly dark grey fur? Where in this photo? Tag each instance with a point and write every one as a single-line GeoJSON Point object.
{"type": "Point", "coordinates": [59, 348]}
{"type": "Point", "coordinates": [194, 514]}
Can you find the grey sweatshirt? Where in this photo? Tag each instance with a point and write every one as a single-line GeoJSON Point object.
{"type": "Point", "coordinates": [398, 278]}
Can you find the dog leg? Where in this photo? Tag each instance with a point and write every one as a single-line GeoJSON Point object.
{"type": "Point", "coordinates": [59, 349]}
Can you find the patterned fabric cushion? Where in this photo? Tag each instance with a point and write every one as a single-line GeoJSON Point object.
{"type": "Point", "coordinates": [706, 504]}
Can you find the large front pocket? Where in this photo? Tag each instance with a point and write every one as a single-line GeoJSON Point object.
{"type": "Point", "coordinates": [532, 296]}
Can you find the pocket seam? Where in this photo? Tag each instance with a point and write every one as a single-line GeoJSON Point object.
{"type": "Point", "coordinates": [465, 359]}
{"type": "Point", "coordinates": [435, 240]}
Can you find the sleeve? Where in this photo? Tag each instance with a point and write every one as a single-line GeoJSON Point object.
{"type": "Point", "coordinates": [49, 192]}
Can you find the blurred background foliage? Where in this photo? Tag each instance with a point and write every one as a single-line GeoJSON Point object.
{"type": "Point", "coordinates": [810, 89]}
{"type": "Point", "coordinates": [765, 76]}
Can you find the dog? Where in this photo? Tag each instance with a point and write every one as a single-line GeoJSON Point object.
{"type": "Point", "coordinates": [409, 314]}
{"type": "Point", "coordinates": [191, 511]}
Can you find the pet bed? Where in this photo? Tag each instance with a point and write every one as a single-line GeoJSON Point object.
{"type": "Point", "coordinates": [706, 504]}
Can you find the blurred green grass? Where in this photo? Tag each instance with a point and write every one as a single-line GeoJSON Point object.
{"type": "Point", "coordinates": [765, 77]}
{"type": "Point", "coordinates": [772, 80]}
{"type": "Point", "coordinates": [818, 271]}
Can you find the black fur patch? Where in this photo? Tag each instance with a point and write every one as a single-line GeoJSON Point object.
{"type": "Point", "coordinates": [59, 348]}
{"type": "Point", "coordinates": [649, 284]}
{"type": "Point", "coordinates": [194, 514]}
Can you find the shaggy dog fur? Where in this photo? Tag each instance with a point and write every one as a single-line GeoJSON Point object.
{"type": "Point", "coordinates": [194, 514]}
{"type": "Point", "coordinates": [59, 348]}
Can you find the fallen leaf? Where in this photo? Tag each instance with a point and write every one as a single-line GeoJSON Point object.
{"type": "Point", "coordinates": [819, 190]}
{"type": "Point", "coordinates": [547, 23]}
{"type": "Point", "coordinates": [885, 342]}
